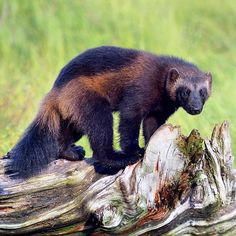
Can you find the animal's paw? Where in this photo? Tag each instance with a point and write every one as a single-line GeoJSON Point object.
{"type": "Point", "coordinates": [141, 152]}
{"type": "Point", "coordinates": [134, 156]}
{"type": "Point", "coordinates": [128, 158]}
{"type": "Point", "coordinates": [79, 150]}
{"type": "Point", "coordinates": [105, 170]}
{"type": "Point", "coordinates": [74, 153]}
{"type": "Point", "coordinates": [137, 153]}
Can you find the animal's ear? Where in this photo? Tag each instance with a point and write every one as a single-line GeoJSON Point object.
{"type": "Point", "coordinates": [209, 78]}
{"type": "Point", "coordinates": [173, 75]}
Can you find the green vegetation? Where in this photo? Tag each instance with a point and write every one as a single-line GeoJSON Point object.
{"type": "Point", "coordinates": [38, 37]}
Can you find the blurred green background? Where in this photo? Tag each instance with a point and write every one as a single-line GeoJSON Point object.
{"type": "Point", "coordinates": [37, 38]}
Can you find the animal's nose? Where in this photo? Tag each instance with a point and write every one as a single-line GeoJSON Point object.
{"type": "Point", "coordinates": [196, 110]}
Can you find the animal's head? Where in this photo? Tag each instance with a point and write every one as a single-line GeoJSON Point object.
{"type": "Point", "coordinates": [189, 90]}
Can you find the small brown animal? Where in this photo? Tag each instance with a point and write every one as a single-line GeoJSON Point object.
{"type": "Point", "coordinates": [142, 86]}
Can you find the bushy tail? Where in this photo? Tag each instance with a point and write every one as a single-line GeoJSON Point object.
{"type": "Point", "coordinates": [37, 147]}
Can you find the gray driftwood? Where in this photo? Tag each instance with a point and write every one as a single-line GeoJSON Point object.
{"type": "Point", "coordinates": [183, 185]}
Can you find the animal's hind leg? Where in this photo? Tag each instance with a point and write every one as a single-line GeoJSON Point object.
{"type": "Point", "coordinates": [69, 150]}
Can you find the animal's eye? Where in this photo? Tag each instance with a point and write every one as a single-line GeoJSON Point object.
{"type": "Point", "coordinates": [203, 93]}
{"type": "Point", "coordinates": [185, 93]}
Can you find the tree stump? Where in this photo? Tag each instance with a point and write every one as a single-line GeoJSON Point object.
{"type": "Point", "coordinates": [183, 185]}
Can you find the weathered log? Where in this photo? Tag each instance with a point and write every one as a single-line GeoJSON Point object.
{"type": "Point", "coordinates": [183, 185]}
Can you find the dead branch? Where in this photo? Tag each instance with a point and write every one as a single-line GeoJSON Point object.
{"type": "Point", "coordinates": [183, 185]}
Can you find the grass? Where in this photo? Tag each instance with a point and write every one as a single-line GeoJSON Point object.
{"type": "Point", "coordinates": [38, 37]}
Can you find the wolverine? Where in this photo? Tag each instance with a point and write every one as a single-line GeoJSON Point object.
{"type": "Point", "coordinates": [143, 87]}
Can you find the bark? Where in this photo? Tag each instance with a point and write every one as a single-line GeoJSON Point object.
{"type": "Point", "coordinates": [183, 185]}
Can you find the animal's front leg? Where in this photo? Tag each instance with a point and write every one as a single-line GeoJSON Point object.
{"type": "Point", "coordinates": [151, 123]}
{"type": "Point", "coordinates": [129, 134]}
